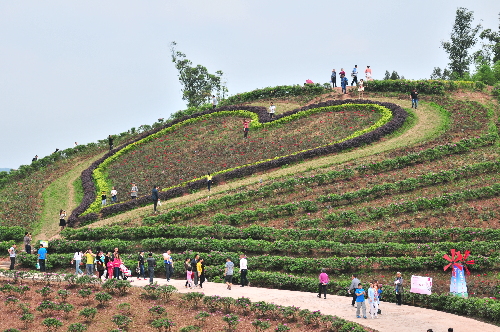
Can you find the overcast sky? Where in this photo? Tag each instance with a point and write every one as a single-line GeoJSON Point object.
{"type": "Point", "coordinates": [81, 70]}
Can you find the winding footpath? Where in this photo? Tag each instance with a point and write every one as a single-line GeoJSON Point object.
{"type": "Point", "coordinates": [393, 319]}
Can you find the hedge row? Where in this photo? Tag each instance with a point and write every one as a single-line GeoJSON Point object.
{"type": "Point", "coordinates": [417, 235]}
{"type": "Point", "coordinates": [15, 233]}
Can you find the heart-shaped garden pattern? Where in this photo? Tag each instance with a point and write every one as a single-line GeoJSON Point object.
{"type": "Point", "coordinates": [181, 154]}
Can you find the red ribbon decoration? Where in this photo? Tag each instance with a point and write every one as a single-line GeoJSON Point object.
{"type": "Point", "coordinates": [458, 260]}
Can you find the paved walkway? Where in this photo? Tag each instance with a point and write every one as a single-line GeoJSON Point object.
{"type": "Point", "coordinates": [394, 318]}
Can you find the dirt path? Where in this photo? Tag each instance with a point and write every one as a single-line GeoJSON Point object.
{"type": "Point", "coordinates": [427, 126]}
{"type": "Point", "coordinates": [404, 318]}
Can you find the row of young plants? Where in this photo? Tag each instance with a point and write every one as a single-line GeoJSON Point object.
{"type": "Point", "coordinates": [350, 217]}
{"type": "Point", "coordinates": [398, 118]}
{"type": "Point", "coordinates": [15, 233]}
{"type": "Point", "coordinates": [363, 195]}
{"type": "Point", "coordinates": [256, 232]}
{"type": "Point", "coordinates": [290, 184]}
{"type": "Point", "coordinates": [103, 183]}
{"type": "Point", "coordinates": [409, 184]}
{"type": "Point", "coordinates": [438, 87]}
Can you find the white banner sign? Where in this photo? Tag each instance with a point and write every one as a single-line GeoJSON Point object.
{"type": "Point", "coordinates": [421, 285]}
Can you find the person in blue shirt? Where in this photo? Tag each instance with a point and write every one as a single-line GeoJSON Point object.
{"type": "Point", "coordinates": [42, 257]}
{"type": "Point", "coordinates": [354, 75]}
{"type": "Point", "coordinates": [360, 301]}
{"type": "Point", "coordinates": [343, 83]}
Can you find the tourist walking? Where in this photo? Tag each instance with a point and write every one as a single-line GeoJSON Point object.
{"type": "Point", "coordinates": [360, 301]}
{"type": "Point", "coordinates": [103, 198]}
{"type": "Point", "coordinates": [246, 128]}
{"type": "Point", "coordinates": [155, 197]}
{"type": "Point", "coordinates": [27, 242]}
{"type": "Point", "coordinates": [12, 255]}
{"type": "Point", "coordinates": [354, 75]}
{"type": "Point", "coordinates": [272, 109]}
{"type": "Point", "coordinates": [228, 273]}
{"type": "Point", "coordinates": [214, 101]}
{"type": "Point", "coordinates": [194, 270]}
{"type": "Point", "coordinates": [89, 262]}
{"type": "Point", "coordinates": [323, 283]}
{"type": "Point", "coordinates": [414, 98]}
{"type": "Point", "coordinates": [140, 265]}
{"type": "Point", "coordinates": [109, 265]}
{"type": "Point", "coordinates": [42, 258]}
{"type": "Point", "coordinates": [398, 287]}
{"type": "Point", "coordinates": [169, 265]}
{"type": "Point", "coordinates": [333, 78]}
{"type": "Point", "coordinates": [189, 277]}
{"type": "Point", "coordinates": [373, 300]}
{"type": "Point", "coordinates": [151, 267]}
{"type": "Point", "coordinates": [62, 219]}
{"type": "Point", "coordinates": [343, 83]}
{"type": "Point", "coordinates": [77, 259]}
{"type": "Point", "coordinates": [209, 181]}
{"type": "Point", "coordinates": [133, 191]}
{"type": "Point", "coordinates": [114, 194]}
{"type": "Point", "coordinates": [187, 265]}
{"type": "Point", "coordinates": [368, 74]}
{"type": "Point", "coordinates": [352, 288]}
{"type": "Point", "coordinates": [200, 267]}
{"type": "Point", "coordinates": [243, 270]}
{"type": "Point", "coordinates": [100, 265]}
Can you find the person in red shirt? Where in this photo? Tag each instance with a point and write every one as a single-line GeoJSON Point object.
{"type": "Point", "coordinates": [246, 124]}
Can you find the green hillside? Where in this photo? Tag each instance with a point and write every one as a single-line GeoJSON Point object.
{"type": "Point", "coordinates": [395, 203]}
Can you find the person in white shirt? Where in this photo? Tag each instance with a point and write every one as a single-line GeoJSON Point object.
{"type": "Point", "coordinates": [214, 101]}
{"type": "Point", "coordinates": [272, 109]}
{"type": "Point", "coordinates": [113, 195]}
{"type": "Point", "coordinates": [12, 255]}
{"type": "Point", "coordinates": [243, 270]}
{"type": "Point", "coordinates": [77, 258]}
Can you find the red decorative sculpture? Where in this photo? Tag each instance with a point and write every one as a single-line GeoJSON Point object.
{"type": "Point", "coordinates": [458, 261]}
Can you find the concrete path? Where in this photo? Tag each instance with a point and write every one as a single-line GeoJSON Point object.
{"type": "Point", "coordinates": [404, 318]}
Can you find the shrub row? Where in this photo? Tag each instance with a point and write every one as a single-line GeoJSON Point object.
{"type": "Point", "coordinates": [410, 184]}
{"type": "Point", "coordinates": [290, 248]}
{"type": "Point", "coordinates": [350, 217]}
{"type": "Point", "coordinates": [15, 233]}
{"type": "Point", "coordinates": [423, 86]}
{"type": "Point", "coordinates": [281, 92]}
{"type": "Point", "coordinates": [418, 235]}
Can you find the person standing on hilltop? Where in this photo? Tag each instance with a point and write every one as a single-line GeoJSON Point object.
{"type": "Point", "coordinates": [110, 141]}
{"type": "Point", "coordinates": [414, 98]}
{"type": "Point", "coordinates": [368, 74]}
{"type": "Point", "coordinates": [133, 191]}
{"type": "Point", "coordinates": [62, 219]}
{"type": "Point", "coordinates": [343, 83]}
{"type": "Point", "coordinates": [333, 78]}
{"type": "Point", "coordinates": [342, 72]}
{"type": "Point", "coordinates": [35, 158]}
{"type": "Point", "coordinates": [361, 88]}
{"type": "Point", "coordinates": [354, 75]}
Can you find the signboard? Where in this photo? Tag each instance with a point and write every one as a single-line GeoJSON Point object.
{"type": "Point", "coordinates": [421, 285]}
{"type": "Point", "coordinates": [45, 243]}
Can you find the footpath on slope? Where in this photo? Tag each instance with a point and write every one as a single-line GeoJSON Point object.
{"type": "Point", "coordinates": [428, 124]}
{"type": "Point", "coordinates": [393, 319]}
{"type": "Point", "coordinates": [60, 194]}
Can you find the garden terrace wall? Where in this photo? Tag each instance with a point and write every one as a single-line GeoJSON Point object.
{"type": "Point", "coordinates": [398, 118]}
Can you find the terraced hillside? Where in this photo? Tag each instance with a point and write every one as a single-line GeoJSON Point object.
{"type": "Point", "coordinates": [396, 204]}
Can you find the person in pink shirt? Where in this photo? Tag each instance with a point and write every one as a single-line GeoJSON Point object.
{"type": "Point", "coordinates": [116, 266]}
{"type": "Point", "coordinates": [189, 277]}
{"type": "Point", "coordinates": [368, 73]}
{"type": "Point", "coordinates": [246, 123]}
{"type": "Point", "coordinates": [109, 265]}
{"type": "Point", "coordinates": [323, 283]}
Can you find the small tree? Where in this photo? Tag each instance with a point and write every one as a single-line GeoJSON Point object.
{"type": "Point", "coordinates": [387, 75]}
{"type": "Point", "coordinates": [198, 84]}
{"type": "Point", "coordinates": [394, 75]}
{"type": "Point", "coordinates": [462, 38]}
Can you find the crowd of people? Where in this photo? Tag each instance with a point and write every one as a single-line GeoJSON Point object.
{"type": "Point", "coordinates": [344, 81]}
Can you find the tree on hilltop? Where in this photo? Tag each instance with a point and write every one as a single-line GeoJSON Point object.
{"type": "Point", "coordinates": [491, 51]}
{"type": "Point", "coordinates": [198, 85]}
{"type": "Point", "coordinates": [463, 37]}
